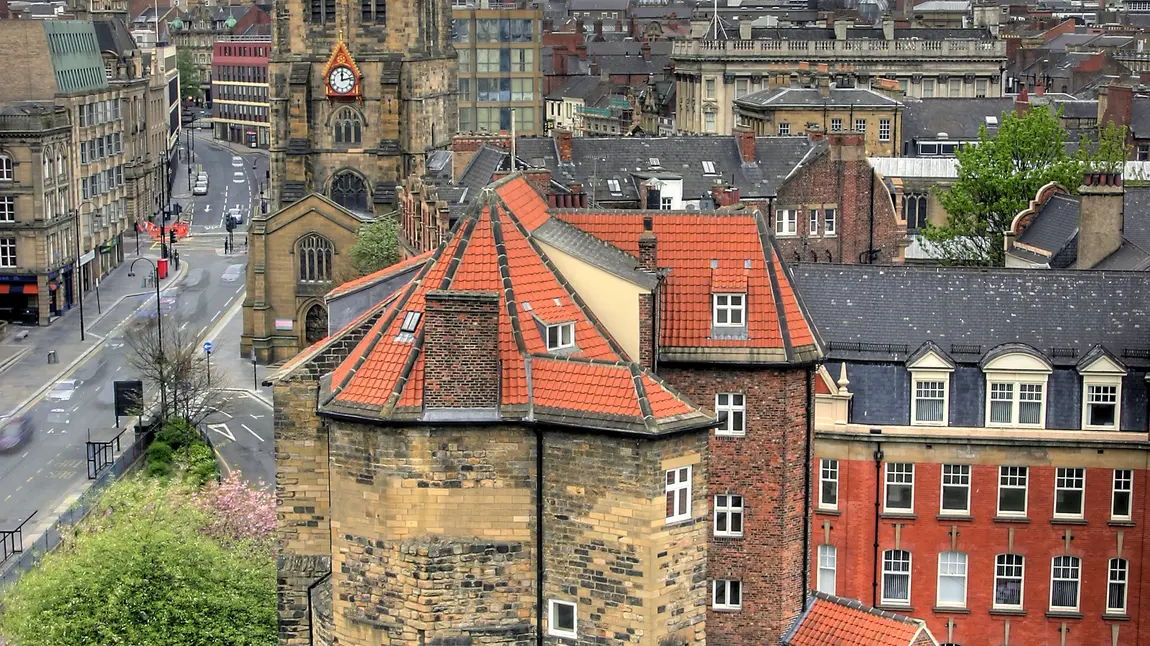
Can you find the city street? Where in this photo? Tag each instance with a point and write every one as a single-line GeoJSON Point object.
{"type": "Point", "coordinates": [45, 474]}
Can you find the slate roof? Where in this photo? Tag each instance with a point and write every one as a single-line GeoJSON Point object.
{"type": "Point", "coordinates": [1054, 230]}
{"type": "Point", "coordinates": [828, 619]}
{"type": "Point", "coordinates": [706, 252]}
{"type": "Point", "coordinates": [621, 158]}
{"type": "Point", "coordinates": [383, 274]}
{"type": "Point", "coordinates": [869, 33]}
{"type": "Point", "coordinates": [113, 36]}
{"type": "Point", "coordinates": [807, 97]}
{"type": "Point", "coordinates": [598, 5]}
{"type": "Point", "coordinates": [960, 119]}
{"type": "Point", "coordinates": [932, 6]}
{"type": "Point", "coordinates": [1140, 119]}
{"type": "Point", "coordinates": [481, 168]}
{"type": "Point", "coordinates": [1054, 225]}
{"type": "Point", "coordinates": [588, 88]}
{"type": "Point", "coordinates": [909, 305]}
{"type": "Point", "coordinates": [491, 250]}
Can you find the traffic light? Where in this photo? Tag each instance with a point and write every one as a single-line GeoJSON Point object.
{"type": "Point", "coordinates": [230, 224]}
{"type": "Point", "coordinates": [172, 236]}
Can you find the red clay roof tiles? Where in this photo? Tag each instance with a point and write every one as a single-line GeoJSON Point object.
{"type": "Point", "coordinates": [832, 621]}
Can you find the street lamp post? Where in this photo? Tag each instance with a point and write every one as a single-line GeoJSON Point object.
{"type": "Point", "coordinates": [79, 268]}
{"type": "Point", "coordinates": [159, 331]}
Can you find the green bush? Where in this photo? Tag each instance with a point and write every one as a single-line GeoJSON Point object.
{"type": "Point", "coordinates": [159, 460]}
{"type": "Point", "coordinates": [202, 467]}
{"type": "Point", "coordinates": [175, 433]}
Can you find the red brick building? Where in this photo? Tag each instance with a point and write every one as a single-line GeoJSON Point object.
{"type": "Point", "coordinates": [240, 89]}
{"type": "Point", "coordinates": [981, 450]}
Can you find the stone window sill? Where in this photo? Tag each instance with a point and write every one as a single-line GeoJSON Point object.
{"type": "Point", "coordinates": [951, 611]}
{"type": "Point", "coordinates": [1113, 617]}
{"type": "Point", "coordinates": [1122, 523]}
{"type": "Point", "coordinates": [828, 512]}
{"type": "Point", "coordinates": [1008, 612]}
{"type": "Point", "coordinates": [1022, 520]}
{"type": "Point", "coordinates": [899, 608]}
{"type": "Point", "coordinates": [1063, 614]}
{"type": "Point", "coordinates": [963, 517]}
{"type": "Point", "coordinates": [1067, 521]}
{"type": "Point", "coordinates": [898, 515]}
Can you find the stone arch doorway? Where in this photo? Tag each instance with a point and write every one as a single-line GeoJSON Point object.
{"type": "Point", "coordinates": [314, 324]}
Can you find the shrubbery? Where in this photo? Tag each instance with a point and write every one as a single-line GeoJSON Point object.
{"type": "Point", "coordinates": [171, 446]}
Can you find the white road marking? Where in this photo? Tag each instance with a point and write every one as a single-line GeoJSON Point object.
{"type": "Point", "coordinates": [183, 326]}
{"type": "Point", "coordinates": [222, 413]}
{"type": "Point", "coordinates": [254, 416]}
{"type": "Point", "coordinates": [252, 432]}
{"type": "Point", "coordinates": [217, 315]}
{"type": "Point", "coordinates": [229, 302]}
{"type": "Point", "coordinates": [118, 368]}
{"type": "Point", "coordinates": [222, 429]}
{"type": "Point", "coordinates": [201, 332]}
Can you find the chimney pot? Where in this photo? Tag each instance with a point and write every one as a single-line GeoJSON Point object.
{"type": "Point", "coordinates": [563, 141]}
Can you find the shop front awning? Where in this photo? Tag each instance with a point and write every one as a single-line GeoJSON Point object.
{"type": "Point", "coordinates": [18, 288]}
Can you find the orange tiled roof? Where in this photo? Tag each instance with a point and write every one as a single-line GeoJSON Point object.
{"type": "Point", "coordinates": [709, 253]}
{"type": "Point", "coordinates": [490, 250]}
{"type": "Point", "coordinates": [835, 621]}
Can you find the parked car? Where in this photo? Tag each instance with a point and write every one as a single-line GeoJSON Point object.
{"type": "Point", "coordinates": [236, 215]}
{"type": "Point", "coordinates": [63, 390]}
{"type": "Point", "coordinates": [237, 161]}
{"type": "Point", "coordinates": [200, 189]}
{"type": "Point", "coordinates": [233, 273]}
{"type": "Point", "coordinates": [15, 433]}
{"type": "Point", "coordinates": [202, 177]}
{"type": "Point", "coordinates": [147, 307]}
{"type": "Point", "coordinates": [238, 177]}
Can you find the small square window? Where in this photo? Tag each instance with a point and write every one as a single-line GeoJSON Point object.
{"type": "Point", "coordinates": [561, 619]}
{"type": "Point", "coordinates": [665, 203]}
{"type": "Point", "coordinates": [726, 594]}
{"type": "Point", "coordinates": [653, 162]}
{"type": "Point", "coordinates": [732, 411]}
{"type": "Point", "coordinates": [860, 126]}
{"type": "Point", "coordinates": [613, 186]}
{"type": "Point", "coordinates": [784, 129]}
{"type": "Point", "coordinates": [560, 336]}
{"type": "Point", "coordinates": [1101, 406]}
{"type": "Point", "coordinates": [1012, 491]}
{"type": "Point", "coordinates": [955, 489]}
{"type": "Point", "coordinates": [729, 310]}
{"type": "Point", "coordinates": [836, 125]}
{"type": "Point", "coordinates": [728, 515]}
{"type": "Point", "coordinates": [786, 222]}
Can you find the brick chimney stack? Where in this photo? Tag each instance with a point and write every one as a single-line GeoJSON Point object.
{"type": "Point", "coordinates": [1099, 217]}
{"type": "Point", "coordinates": [1022, 103]}
{"type": "Point", "coordinates": [645, 48]}
{"type": "Point", "coordinates": [746, 139]}
{"type": "Point", "coordinates": [648, 324]}
{"type": "Point", "coordinates": [563, 142]}
{"type": "Point", "coordinates": [461, 350]}
{"type": "Point", "coordinates": [1115, 105]}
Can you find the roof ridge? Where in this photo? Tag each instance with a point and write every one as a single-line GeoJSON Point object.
{"type": "Point", "coordinates": [769, 256]}
{"type": "Point", "coordinates": [509, 300]}
{"type": "Point", "coordinates": [641, 395]}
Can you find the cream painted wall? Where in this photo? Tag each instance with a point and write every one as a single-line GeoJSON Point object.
{"type": "Point", "coordinates": [614, 301]}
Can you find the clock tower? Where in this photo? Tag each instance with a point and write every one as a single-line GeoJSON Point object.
{"type": "Point", "coordinates": [361, 91]}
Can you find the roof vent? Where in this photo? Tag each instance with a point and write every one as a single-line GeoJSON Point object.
{"type": "Point", "coordinates": [991, 121]}
{"type": "Point", "coordinates": [526, 306]}
{"type": "Point", "coordinates": [714, 263]}
{"type": "Point", "coordinates": [943, 135]}
{"type": "Point", "coordinates": [747, 263]}
{"type": "Point", "coordinates": [558, 303]}
{"type": "Point", "coordinates": [653, 162]}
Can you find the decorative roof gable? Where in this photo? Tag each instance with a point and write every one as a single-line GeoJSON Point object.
{"type": "Point", "coordinates": [929, 357]}
{"type": "Point", "coordinates": [1100, 361]}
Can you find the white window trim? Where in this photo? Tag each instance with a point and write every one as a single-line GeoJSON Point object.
{"type": "Point", "coordinates": [1078, 587]}
{"type": "Point", "coordinates": [832, 221]}
{"type": "Point", "coordinates": [786, 222]}
{"type": "Point", "coordinates": [552, 629]}
{"type": "Point", "coordinates": [1017, 368]}
{"type": "Point", "coordinates": [965, 581]}
{"type": "Point", "coordinates": [886, 485]}
{"type": "Point", "coordinates": [1114, 491]}
{"type": "Point", "coordinates": [1021, 585]}
{"type": "Point", "coordinates": [1054, 501]}
{"type": "Point", "coordinates": [833, 568]}
{"type": "Point", "coordinates": [1101, 380]}
{"type": "Point", "coordinates": [1025, 495]}
{"type": "Point", "coordinates": [570, 331]}
{"type": "Point", "coordinates": [930, 375]}
{"type": "Point", "coordinates": [729, 307]}
{"type": "Point", "coordinates": [943, 511]}
{"type": "Point", "coordinates": [729, 408]}
{"type": "Point", "coordinates": [814, 220]}
{"type": "Point", "coordinates": [1125, 586]}
{"type": "Point", "coordinates": [824, 505]}
{"type": "Point", "coordinates": [728, 605]}
{"type": "Point", "coordinates": [883, 600]}
{"type": "Point", "coordinates": [730, 510]}
{"type": "Point", "coordinates": [685, 484]}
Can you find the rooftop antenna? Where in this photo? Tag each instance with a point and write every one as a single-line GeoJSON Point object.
{"type": "Point", "coordinates": [716, 27]}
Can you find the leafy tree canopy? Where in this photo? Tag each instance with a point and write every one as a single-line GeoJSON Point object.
{"type": "Point", "coordinates": [189, 75]}
{"type": "Point", "coordinates": [999, 175]}
{"type": "Point", "coordinates": [377, 247]}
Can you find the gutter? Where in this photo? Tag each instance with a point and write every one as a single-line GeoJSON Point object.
{"type": "Point", "coordinates": [539, 609]}
{"type": "Point", "coordinates": [807, 484]}
{"type": "Point", "coordinates": [878, 456]}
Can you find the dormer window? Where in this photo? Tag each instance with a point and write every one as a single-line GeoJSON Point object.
{"type": "Point", "coordinates": [1016, 380]}
{"type": "Point", "coordinates": [730, 310]}
{"type": "Point", "coordinates": [561, 336]}
{"type": "Point", "coordinates": [930, 369]}
{"type": "Point", "coordinates": [1102, 375]}
{"type": "Point", "coordinates": [653, 162]}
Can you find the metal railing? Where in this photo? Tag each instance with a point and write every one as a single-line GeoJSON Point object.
{"type": "Point", "coordinates": [822, 48]}
{"type": "Point", "coordinates": [12, 540]}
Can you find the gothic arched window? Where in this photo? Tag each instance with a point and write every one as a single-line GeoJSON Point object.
{"type": "Point", "coordinates": [315, 324]}
{"type": "Point", "coordinates": [348, 190]}
{"type": "Point", "coordinates": [347, 127]}
{"type": "Point", "coordinates": [314, 254]}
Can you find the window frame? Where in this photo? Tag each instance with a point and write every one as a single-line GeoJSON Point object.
{"type": "Point", "coordinates": [7, 208]}
{"type": "Point", "coordinates": [830, 222]}
{"type": "Point", "coordinates": [784, 129]}
{"type": "Point", "coordinates": [567, 327]}
{"type": "Point", "coordinates": [555, 631]}
{"type": "Point", "coordinates": [814, 221]}
{"type": "Point", "coordinates": [786, 222]}
{"type": "Point", "coordinates": [727, 605]}
{"type": "Point", "coordinates": [1074, 564]}
{"type": "Point", "coordinates": [5, 243]}
{"type": "Point", "coordinates": [1025, 474]}
{"type": "Point", "coordinates": [1102, 381]}
{"type": "Point", "coordinates": [673, 489]}
{"type": "Point", "coordinates": [821, 566]}
{"type": "Point", "coordinates": [886, 486]}
{"type": "Point", "coordinates": [731, 408]}
{"type": "Point", "coordinates": [1017, 384]}
{"type": "Point", "coordinates": [884, 129]}
{"type": "Point", "coordinates": [963, 471]}
{"type": "Point", "coordinates": [836, 124]}
{"type": "Point", "coordinates": [965, 575]}
{"type": "Point", "coordinates": [729, 308]}
{"type": "Point", "coordinates": [860, 125]}
{"type": "Point", "coordinates": [824, 468]}
{"type": "Point", "coordinates": [1128, 478]}
{"type": "Point", "coordinates": [929, 377]}
{"type": "Point", "coordinates": [886, 562]}
{"type": "Point", "coordinates": [1021, 578]}
{"type": "Point", "coordinates": [7, 168]}
{"type": "Point", "coordinates": [1064, 478]}
{"type": "Point", "coordinates": [729, 510]}
{"type": "Point", "coordinates": [1124, 569]}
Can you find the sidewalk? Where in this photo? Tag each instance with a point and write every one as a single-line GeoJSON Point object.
{"type": "Point", "coordinates": [237, 149]}
{"type": "Point", "coordinates": [26, 377]}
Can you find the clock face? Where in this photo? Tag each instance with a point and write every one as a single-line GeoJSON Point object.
{"type": "Point", "coordinates": [341, 80]}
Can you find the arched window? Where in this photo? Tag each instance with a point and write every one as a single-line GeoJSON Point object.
{"type": "Point", "coordinates": [5, 168]}
{"type": "Point", "coordinates": [348, 190]}
{"type": "Point", "coordinates": [347, 127]}
{"type": "Point", "coordinates": [315, 259]}
{"type": "Point", "coordinates": [315, 324]}
{"type": "Point", "coordinates": [914, 211]}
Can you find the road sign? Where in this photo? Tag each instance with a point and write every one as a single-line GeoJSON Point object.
{"type": "Point", "coordinates": [208, 347]}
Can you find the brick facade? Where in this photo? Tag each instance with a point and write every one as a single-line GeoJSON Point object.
{"type": "Point", "coordinates": [461, 354]}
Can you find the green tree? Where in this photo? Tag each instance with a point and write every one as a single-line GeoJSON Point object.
{"type": "Point", "coordinates": [189, 75]}
{"type": "Point", "coordinates": [1112, 150]}
{"type": "Point", "coordinates": [377, 247]}
{"type": "Point", "coordinates": [143, 570]}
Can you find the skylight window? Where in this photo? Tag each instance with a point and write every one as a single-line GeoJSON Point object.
{"type": "Point", "coordinates": [653, 162]}
{"type": "Point", "coordinates": [410, 321]}
{"type": "Point", "coordinates": [613, 186]}
{"type": "Point", "coordinates": [709, 168]}
{"type": "Point", "coordinates": [560, 336]}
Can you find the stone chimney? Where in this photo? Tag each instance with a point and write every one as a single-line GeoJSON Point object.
{"type": "Point", "coordinates": [461, 350]}
{"type": "Point", "coordinates": [648, 322]}
{"type": "Point", "coordinates": [887, 26]}
{"type": "Point", "coordinates": [841, 27]}
{"type": "Point", "coordinates": [824, 84]}
{"type": "Point", "coordinates": [1115, 105]}
{"type": "Point", "coordinates": [815, 133]}
{"type": "Point", "coordinates": [563, 140]}
{"type": "Point", "coordinates": [645, 48]}
{"type": "Point", "coordinates": [1099, 217]}
{"type": "Point", "coordinates": [723, 195]}
{"type": "Point", "coordinates": [847, 146]}
{"type": "Point", "coordinates": [598, 29]}
{"type": "Point", "coordinates": [746, 138]}
{"type": "Point", "coordinates": [559, 60]}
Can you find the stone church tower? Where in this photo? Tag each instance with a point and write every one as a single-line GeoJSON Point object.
{"type": "Point", "coordinates": [353, 136]}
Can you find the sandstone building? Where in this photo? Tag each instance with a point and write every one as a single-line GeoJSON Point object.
{"type": "Point", "coordinates": [515, 438]}
{"type": "Point", "coordinates": [354, 143]}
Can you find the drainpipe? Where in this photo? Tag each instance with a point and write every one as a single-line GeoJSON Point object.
{"type": "Point", "coordinates": [870, 253]}
{"type": "Point", "coordinates": [807, 488]}
{"type": "Point", "coordinates": [878, 456]}
{"type": "Point", "coordinates": [539, 537]}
